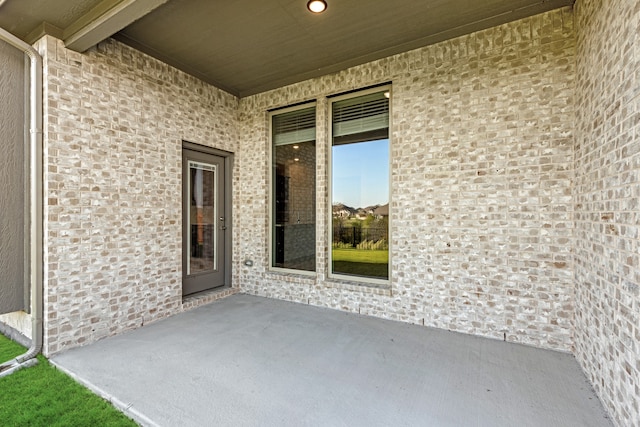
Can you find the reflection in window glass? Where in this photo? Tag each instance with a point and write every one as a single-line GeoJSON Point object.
{"type": "Point", "coordinates": [202, 214]}
{"type": "Point", "coordinates": [360, 186]}
{"type": "Point", "coordinates": [294, 190]}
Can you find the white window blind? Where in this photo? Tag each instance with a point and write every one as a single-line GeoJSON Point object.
{"type": "Point", "coordinates": [363, 114]}
{"type": "Point", "coordinates": [294, 127]}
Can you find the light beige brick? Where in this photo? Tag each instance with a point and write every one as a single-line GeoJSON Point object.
{"type": "Point", "coordinates": [482, 166]}
{"type": "Point", "coordinates": [607, 190]}
{"type": "Point", "coordinates": [114, 124]}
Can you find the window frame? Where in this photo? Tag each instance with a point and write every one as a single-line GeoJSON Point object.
{"type": "Point", "coordinates": [271, 198]}
{"type": "Point", "coordinates": [329, 237]}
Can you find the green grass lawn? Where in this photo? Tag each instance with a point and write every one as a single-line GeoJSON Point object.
{"type": "Point", "coordinates": [43, 396]}
{"type": "Point", "coordinates": [360, 262]}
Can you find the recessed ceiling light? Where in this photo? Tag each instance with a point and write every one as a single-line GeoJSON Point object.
{"type": "Point", "coordinates": [295, 147]}
{"type": "Point", "coordinates": [317, 6]}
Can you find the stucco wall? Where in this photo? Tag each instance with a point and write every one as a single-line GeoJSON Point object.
{"type": "Point", "coordinates": [607, 193]}
{"type": "Point", "coordinates": [114, 124]}
{"type": "Point", "coordinates": [481, 204]}
{"type": "Point", "coordinates": [13, 155]}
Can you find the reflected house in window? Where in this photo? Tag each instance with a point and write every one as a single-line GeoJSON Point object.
{"type": "Point", "coordinates": [381, 212]}
{"type": "Point", "coordinates": [360, 185]}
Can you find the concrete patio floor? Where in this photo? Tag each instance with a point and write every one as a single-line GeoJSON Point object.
{"type": "Point", "coordinates": [250, 361]}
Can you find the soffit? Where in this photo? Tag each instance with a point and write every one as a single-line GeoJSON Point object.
{"type": "Point", "coordinates": [21, 17]}
{"type": "Point", "coordinates": [251, 46]}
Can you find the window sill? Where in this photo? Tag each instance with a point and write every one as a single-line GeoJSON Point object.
{"type": "Point", "coordinates": [378, 287]}
{"type": "Point", "coordinates": [311, 278]}
{"type": "Point", "coordinates": [296, 274]}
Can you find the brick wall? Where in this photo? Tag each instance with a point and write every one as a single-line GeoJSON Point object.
{"type": "Point", "coordinates": [114, 124]}
{"type": "Point", "coordinates": [481, 203]}
{"type": "Point", "coordinates": [607, 203]}
{"type": "Point", "coordinates": [481, 213]}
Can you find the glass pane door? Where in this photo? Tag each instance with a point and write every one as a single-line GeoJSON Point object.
{"type": "Point", "coordinates": [204, 259]}
{"type": "Point", "coordinates": [202, 254]}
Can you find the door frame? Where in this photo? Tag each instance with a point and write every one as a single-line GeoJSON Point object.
{"type": "Point", "coordinates": [228, 205]}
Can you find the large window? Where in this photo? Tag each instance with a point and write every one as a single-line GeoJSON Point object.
{"type": "Point", "coordinates": [360, 184]}
{"type": "Point", "coordinates": [293, 188]}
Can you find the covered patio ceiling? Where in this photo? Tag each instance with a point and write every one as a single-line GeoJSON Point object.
{"type": "Point", "coordinates": [251, 46]}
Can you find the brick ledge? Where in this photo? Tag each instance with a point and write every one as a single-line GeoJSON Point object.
{"type": "Point", "coordinates": [192, 301]}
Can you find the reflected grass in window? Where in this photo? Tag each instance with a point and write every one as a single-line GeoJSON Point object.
{"type": "Point", "coordinates": [361, 262]}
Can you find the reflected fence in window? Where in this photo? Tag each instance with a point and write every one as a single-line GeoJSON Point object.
{"type": "Point", "coordinates": [376, 238]}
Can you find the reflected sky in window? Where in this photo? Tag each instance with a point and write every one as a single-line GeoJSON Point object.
{"type": "Point", "coordinates": [361, 173]}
